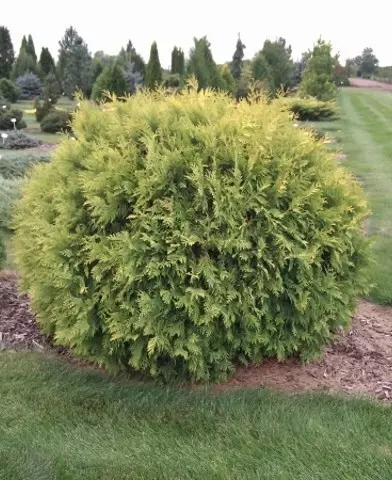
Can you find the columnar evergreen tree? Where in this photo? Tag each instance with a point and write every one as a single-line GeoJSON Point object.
{"type": "Point", "coordinates": [318, 79]}
{"type": "Point", "coordinates": [30, 48]}
{"type": "Point", "coordinates": [177, 61]}
{"type": "Point", "coordinates": [237, 62]}
{"type": "Point", "coordinates": [202, 65]}
{"type": "Point", "coordinates": [46, 62]}
{"type": "Point", "coordinates": [154, 69]}
{"type": "Point", "coordinates": [7, 54]}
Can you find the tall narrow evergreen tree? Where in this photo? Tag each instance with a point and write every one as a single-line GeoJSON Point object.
{"type": "Point", "coordinates": [237, 63]}
{"type": "Point", "coordinates": [130, 55]}
{"type": "Point", "coordinates": [177, 61]}
{"type": "Point", "coordinates": [202, 65]}
{"type": "Point", "coordinates": [66, 44]}
{"type": "Point", "coordinates": [7, 54]}
{"type": "Point", "coordinates": [46, 62]}
{"type": "Point", "coordinates": [154, 69]}
{"type": "Point", "coordinates": [25, 62]}
{"type": "Point", "coordinates": [30, 49]}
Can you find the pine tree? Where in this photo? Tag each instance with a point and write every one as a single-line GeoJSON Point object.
{"type": "Point", "coordinates": [261, 71]}
{"type": "Point", "coordinates": [46, 62]}
{"type": "Point", "coordinates": [7, 54]}
{"type": "Point", "coordinates": [237, 63]}
{"type": "Point", "coordinates": [66, 44]}
{"type": "Point", "coordinates": [154, 70]}
{"type": "Point", "coordinates": [78, 69]}
{"type": "Point", "coordinates": [30, 49]}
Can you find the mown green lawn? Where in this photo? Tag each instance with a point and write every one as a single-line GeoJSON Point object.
{"type": "Point", "coordinates": [58, 422]}
{"type": "Point", "coordinates": [366, 132]}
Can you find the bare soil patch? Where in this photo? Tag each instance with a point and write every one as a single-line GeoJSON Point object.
{"type": "Point", "coordinates": [357, 362]}
{"type": "Point", "coordinates": [365, 83]}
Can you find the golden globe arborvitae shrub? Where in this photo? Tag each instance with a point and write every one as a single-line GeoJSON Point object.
{"type": "Point", "coordinates": [180, 234]}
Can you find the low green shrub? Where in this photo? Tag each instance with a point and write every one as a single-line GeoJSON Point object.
{"type": "Point", "coordinates": [310, 109]}
{"type": "Point", "coordinates": [9, 193]}
{"type": "Point", "coordinates": [180, 234]}
{"type": "Point", "coordinates": [9, 90]}
{"type": "Point", "coordinates": [56, 121]}
{"type": "Point", "coordinates": [6, 117]}
{"type": "Point", "coordinates": [18, 140]}
{"type": "Point", "coordinates": [16, 166]}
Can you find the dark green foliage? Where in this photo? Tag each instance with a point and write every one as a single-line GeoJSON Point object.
{"type": "Point", "coordinates": [154, 69]}
{"type": "Point", "coordinates": [5, 119]}
{"type": "Point", "coordinates": [78, 69]}
{"type": "Point", "coordinates": [30, 86]}
{"type": "Point", "coordinates": [9, 194]}
{"type": "Point", "coordinates": [112, 80]}
{"type": "Point", "coordinates": [278, 57]}
{"type": "Point", "coordinates": [180, 234]}
{"type": "Point", "coordinates": [134, 78]}
{"type": "Point", "coordinates": [202, 65]}
{"type": "Point", "coordinates": [17, 166]}
{"type": "Point", "coordinates": [66, 44]}
{"type": "Point", "coordinates": [30, 48]}
{"type": "Point", "coordinates": [46, 62]}
{"type": "Point", "coordinates": [310, 109]}
{"type": "Point", "coordinates": [237, 62]}
{"type": "Point", "coordinates": [177, 62]}
{"type": "Point", "coordinates": [7, 54]}
{"type": "Point", "coordinates": [228, 82]}
{"type": "Point", "coordinates": [172, 81]}
{"type": "Point", "coordinates": [18, 140]}
{"type": "Point", "coordinates": [262, 73]}
{"type": "Point", "coordinates": [56, 121]}
{"type": "Point", "coordinates": [42, 108]}
{"type": "Point", "coordinates": [318, 78]}
{"type": "Point", "coordinates": [9, 90]}
{"type": "Point", "coordinates": [3, 253]}
{"type": "Point", "coordinates": [369, 63]}
{"type": "Point", "coordinates": [130, 55]}
{"type": "Point", "coordinates": [51, 89]}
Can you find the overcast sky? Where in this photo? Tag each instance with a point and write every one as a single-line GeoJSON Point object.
{"type": "Point", "coordinates": [349, 25]}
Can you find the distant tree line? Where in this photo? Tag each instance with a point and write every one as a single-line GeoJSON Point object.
{"type": "Point", "coordinates": [272, 69]}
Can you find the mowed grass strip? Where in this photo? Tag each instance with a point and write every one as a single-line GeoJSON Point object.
{"type": "Point", "coordinates": [57, 422]}
{"type": "Point", "coordinates": [367, 140]}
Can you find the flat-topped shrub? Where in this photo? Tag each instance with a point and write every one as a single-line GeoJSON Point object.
{"type": "Point", "coordinates": [310, 109]}
{"type": "Point", "coordinates": [180, 234]}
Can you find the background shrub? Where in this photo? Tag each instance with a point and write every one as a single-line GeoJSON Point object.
{"type": "Point", "coordinates": [18, 140]}
{"type": "Point", "coordinates": [14, 166]}
{"type": "Point", "coordinates": [3, 255]}
{"type": "Point", "coordinates": [9, 193]}
{"type": "Point", "coordinates": [9, 90]}
{"type": "Point", "coordinates": [42, 108]}
{"type": "Point", "coordinates": [56, 121]}
{"type": "Point", "coordinates": [29, 85]}
{"type": "Point", "coordinates": [4, 103]}
{"type": "Point", "coordinates": [182, 233]}
{"type": "Point", "coordinates": [5, 119]}
{"type": "Point", "coordinates": [310, 109]}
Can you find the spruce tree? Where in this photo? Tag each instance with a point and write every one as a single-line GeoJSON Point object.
{"type": "Point", "coordinates": [30, 49]}
{"type": "Point", "coordinates": [174, 60]}
{"type": "Point", "coordinates": [7, 54]}
{"type": "Point", "coordinates": [202, 65]}
{"type": "Point", "coordinates": [112, 80]}
{"type": "Point", "coordinates": [66, 44]}
{"type": "Point", "coordinates": [130, 55]}
{"type": "Point", "coordinates": [237, 63]}
{"type": "Point", "coordinates": [177, 61]}
{"type": "Point", "coordinates": [46, 62]}
{"type": "Point", "coordinates": [154, 69]}
{"type": "Point", "coordinates": [78, 69]}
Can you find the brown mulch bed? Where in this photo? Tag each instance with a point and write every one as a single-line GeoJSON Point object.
{"type": "Point", "coordinates": [365, 83]}
{"type": "Point", "coordinates": [358, 362]}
